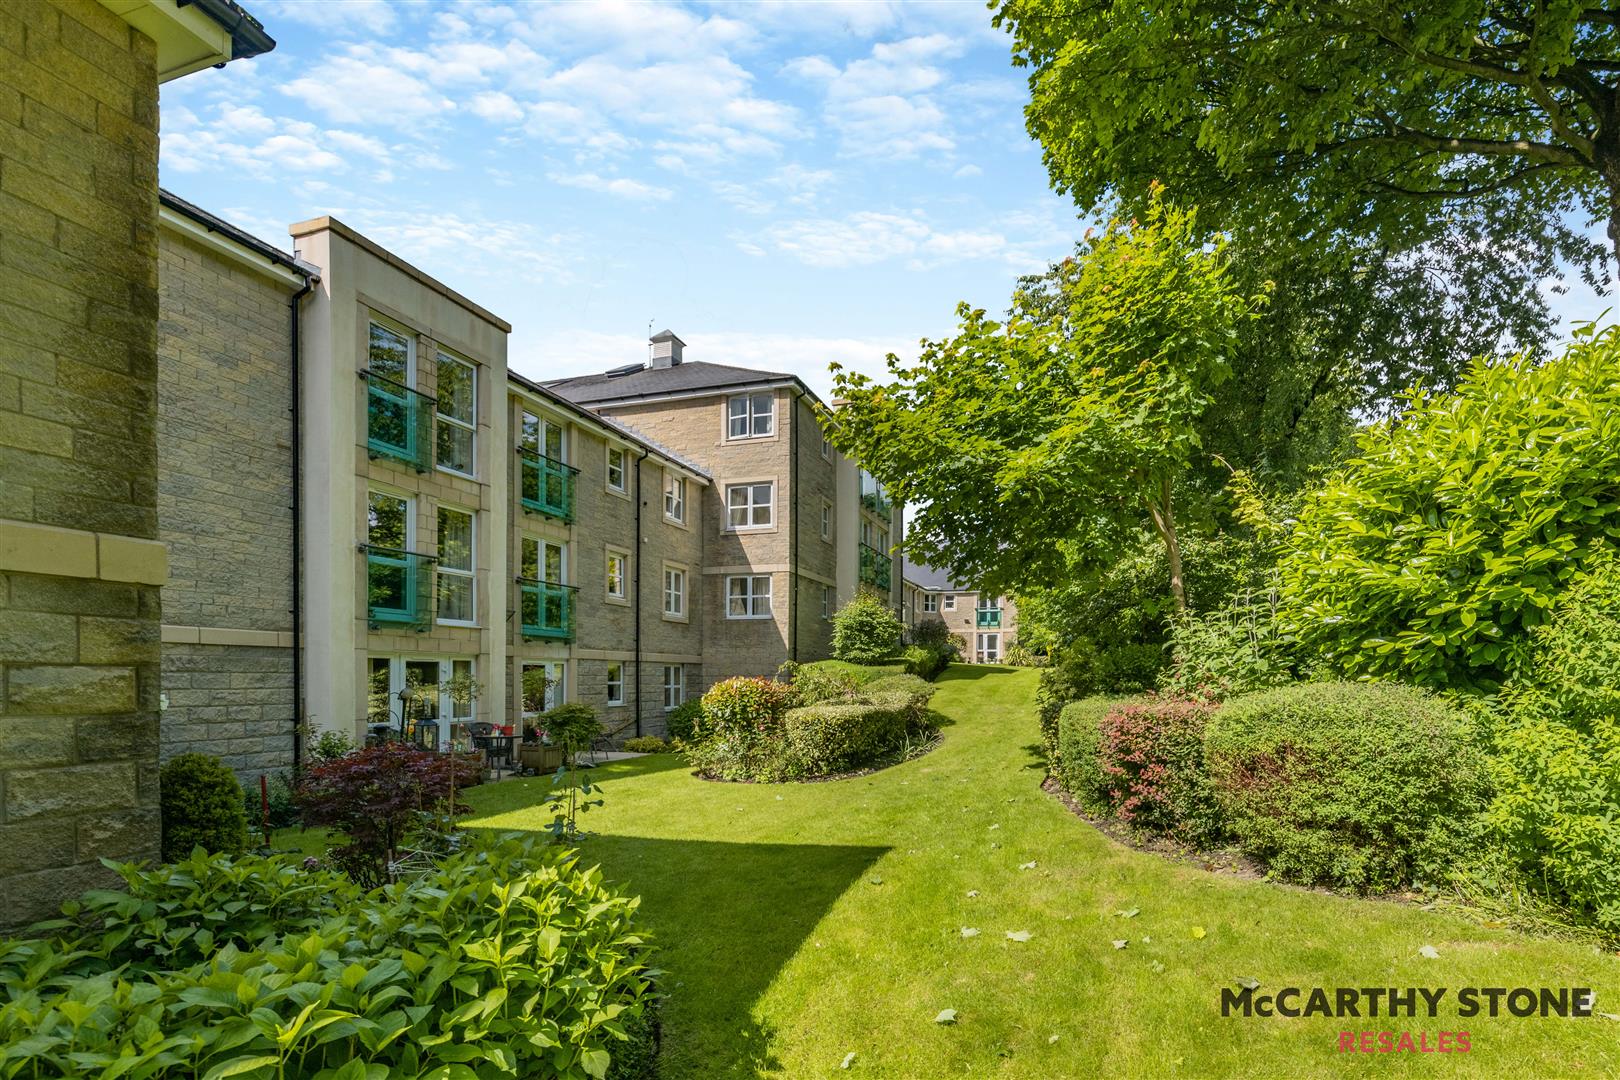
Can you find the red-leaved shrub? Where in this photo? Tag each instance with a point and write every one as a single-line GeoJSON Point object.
{"type": "Point", "coordinates": [745, 707]}
{"type": "Point", "coordinates": [1152, 763]}
{"type": "Point", "coordinates": [376, 796]}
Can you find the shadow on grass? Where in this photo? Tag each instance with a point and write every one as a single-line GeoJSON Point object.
{"type": "Point", "coordinates": [960, 672]}
{"type": "Point", "coordinates": [724, 919]}
{"type": "Point", "coordinates": [1037, 758]}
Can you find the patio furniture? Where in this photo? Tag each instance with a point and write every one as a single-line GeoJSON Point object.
{"type": "Point", "coordinates": [604, 742]}
{"type": "Point", "coordinates": [497, 750]}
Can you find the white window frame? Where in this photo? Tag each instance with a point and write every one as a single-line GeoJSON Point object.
{"type": "Point", "coordinates": [542, 424]}
{"type": "Point", "coordinates": [678, 613]}
{"type": "Point", "coordinates": [930, 603]}
{"type": "Point", "coordinates": [827, 520]}
{"type": "Point", "coordinates": [410, 345]}
{"type": "Point", "coordinates": [674, 689]}
{"type": "Point", "coordinates": [950, 602]}
{"type": "Point", "coordinates": [984, 655]}
{"type": "Point", "coordinates": [749, 507]}
{"type": "Point", "coordinates": [826, 447]}
{"type": "Point", "coordinates": [675, 493]}
{"type": "Point", "coordinates": [471, 428]}
{"type": "Point", "coordinates": [470, 574]}
{"type": "Point", "coordinates": [556, 687]}
{"type": "Point", "coordinates": [829, 598]}
{"type": "Point", "coordinates": [623, 594]}
{"type": "Point", "coordinates": [541, 543]}
{"type": "Point", "coordinates": [750, 597]}
{"type": "Point", "coordinates": [623, 486]}
{"type": "Point", "coordinates": [446, 706]}
{"type": "Point", "coordinates": [410, 514]}
{"type": "Point", "coordinates": [615, 697]}
{"type": "Point", "coordinates": [749, 414]}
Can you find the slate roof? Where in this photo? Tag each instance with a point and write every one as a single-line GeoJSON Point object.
{"type": "Point", "coordinates": [926, 577]}
{"type": "Point", "coordinates": [690, 377]}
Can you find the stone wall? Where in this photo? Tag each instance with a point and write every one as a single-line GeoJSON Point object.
{"type": "Point", "coordinates": [225, 508]}
{"type": "Point", "coordinates": [78, 463]}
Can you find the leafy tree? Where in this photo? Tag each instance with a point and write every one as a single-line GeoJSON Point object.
{"type": "Point", "coordinates": [865, 631]}
{"type": "Point", "coordinates": [1457, 530]}
{"type": "Point", "coordinates": [1053, 435]}
{"type": "Point", "coordinates": [1398, 122]}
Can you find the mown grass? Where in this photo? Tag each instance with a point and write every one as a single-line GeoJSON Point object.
{"type": "Point", "coordinates": [800, 923]}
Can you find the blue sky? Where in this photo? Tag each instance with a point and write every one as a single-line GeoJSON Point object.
{"type": "Point", "coordinates": [783, 184]}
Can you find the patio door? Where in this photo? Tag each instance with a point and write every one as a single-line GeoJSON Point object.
{"type": "Point", "coordinates": [988, 650]}
{"type": "Point", "coordinates": [556, 675]}
{"type": "Point", "coordinates": [429, 710]}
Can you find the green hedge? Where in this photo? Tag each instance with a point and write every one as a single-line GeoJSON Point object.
{"type": "Point", "coordinates": [824, 739]}
{"type": "Point", "coordinates": [1366, 786]}
{"type": "Point", "coordinates": [506, 960]}
{"type": "Point", "coordinates": [925, 661]}
{"type": "Point", "coordinates": [1076, 746]}
{"type": "Point", "coordinates": [861, 673]}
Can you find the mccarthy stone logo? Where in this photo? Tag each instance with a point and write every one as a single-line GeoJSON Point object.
{"type": "Point", "coordinates": [1345, 1002]}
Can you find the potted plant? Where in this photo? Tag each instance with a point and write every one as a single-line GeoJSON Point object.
{"type": "Point", "coordinates": [536, 752]}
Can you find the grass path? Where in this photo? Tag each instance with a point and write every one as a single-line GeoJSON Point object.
{"type": "Point", "coordinates": [800, 923]}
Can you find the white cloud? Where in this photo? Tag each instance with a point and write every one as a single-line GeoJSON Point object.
{"type": "Point", "coordinates": [968, 170]}
{"type": "Point", "coordinates": [883, 104]}
{"type": "Point", "coordinates": [619, 186]}
{"type": "Point", "coordinates": [494, 105]}
{"type": "Point", "coordinates": [868, 237]}
{"type": "Point", "coordinates": [356, 89]}
{"type": "Point", "coordinates": [367, 17]}
{"type": "Point", "coordinates": [243, 139]}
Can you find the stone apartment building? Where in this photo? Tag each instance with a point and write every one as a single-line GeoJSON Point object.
{"type": "Point", "coordinates": [987, 625]}
{"type": "Point", "coordinates": [791, 527]}
{"type": "Point", "coordinates": [81, 562]}
{"type": "Point", "coordinates": [456, 527]}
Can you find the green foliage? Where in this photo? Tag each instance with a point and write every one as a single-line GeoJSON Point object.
{"type": "Point", "coordinates": [744, 704]}
{"type": "Point", "coordinates": [1456, 531]}
{"type": "Point", "coordinates": [518, 961]}
{"type": "Point", "coordinates": [1366, 786]}
{"type": "Point", "coordinates": [684, 720]}
{"type": "Point", "coordinates": [647, 744]}
{"type": "Point", "coordinates": [1235, 650]}
{"type": "Point", "coordinates": [329, 746]}
{"type": "Point", "coordinates": [282, 799]}
{"type": "Point", "coordinates": [1126, 341]}
{"type": "Point", "coordinates": [1073, 752]}
{"type": "Point", "coordinates": [202, 806]}
{"type": "Point", "coordinates": [859, 673]}
{"type": "Point", "coordinates": [865, 631]}
{"type": "Point", "coordinates": [850, 725]}
{"type": "Point", "coordinates": [931, 631]}
{"type": "Point", "coordinates": [575, 727]}
{"type": "Point", "coordinates": [1432, 159]}
{"type": "Point", "coordinates": [926, 661]}
{"type": "Point", "coordinates": [1021, 655]}
{"type": "Point", "coordinates": [1556, 756]}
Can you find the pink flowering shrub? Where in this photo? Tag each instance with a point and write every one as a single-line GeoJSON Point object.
{"type": "Point", "coordinates": [1151, 756]}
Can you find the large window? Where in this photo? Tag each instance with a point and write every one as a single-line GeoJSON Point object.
{"type": "Point", "coordinates": [544, 560]}
{"type": "Point", "coordinates": [427, 701]}
{"type": "Point", "coordinates": [674, 686]}
{"type": "Point", "coordinates": [616, 469]}
{"type": "Point", "coordinates": [390, 353]}
{"type": "Point", "coordinates": [543, 437]}
{"type": "Point", "coordinates": [930, 602]}
{"type": "Point", "coordinates": [675, 497]}
{"type": "Point", "coordinates": [618, 574]}
{"type": "Point", "coordinates": [750, 506]}
{"type": "Point", "coordinates": [456, 567]}
{"type": "Point", "coordinates": [950, 602]}
{"type": "Point", "coordinates": [458, 414]}
{"type": "Point", "coordinates": [555, 676]}
{"type": "Point", "coordinates": [748, 596]}
{"type": "Point", "coordinates": [615, 683]}
{"type": "Point", "coordinates": [751, 416]}
{"type": "Point", "coordinates": [674, 592]}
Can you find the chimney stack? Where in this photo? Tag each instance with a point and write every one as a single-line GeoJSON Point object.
{"type": "Point", "coordinates": [666, 349]}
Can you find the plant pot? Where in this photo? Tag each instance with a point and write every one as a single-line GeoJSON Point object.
{"type": "Point", "coordinates": [539, 757]}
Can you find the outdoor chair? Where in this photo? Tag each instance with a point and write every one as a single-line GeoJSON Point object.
{"type": "Point", "coordinates": [604, 742]}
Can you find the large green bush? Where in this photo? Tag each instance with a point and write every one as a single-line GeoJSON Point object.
{"type": "Point", "coordinates": [505, 960]}
{"type": "Point", "coordinates": [201, 805]}
{"type": "Point", "coordinates": [1457, 529]}
{"type": "Point", "coordinates": [1075, 754]}
{"type": "Point", "coordinates": [1556, 756]}
{"type": "Point", "coordinates": [865, 631]}
{"type": "Point", "coordinates": [1151, 756]}
{"type": "Point", "coordinates": [1234, 650]}
{"type": "Point", "coordinates": [1366, 786]}
{"type": "Point", "coordinates": [925, 661]}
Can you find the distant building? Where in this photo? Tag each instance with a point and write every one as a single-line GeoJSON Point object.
{"type": "Point", "coordinates": [986, 624]}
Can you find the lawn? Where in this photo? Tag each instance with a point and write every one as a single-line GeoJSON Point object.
{"type": "Point", "coordinates": [800, 923]}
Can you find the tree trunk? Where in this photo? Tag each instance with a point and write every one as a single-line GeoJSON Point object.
{"type": "Point", "coordinates": [1164, 520]}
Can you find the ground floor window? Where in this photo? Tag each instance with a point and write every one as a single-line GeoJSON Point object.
{"type": "Point", "coordinates": [544, 687]}
{"type": "Point", "coordinates": [674, 686]}
{"type": "Point", "coordinates": [829, 600]}
{"type": "Point", "coordinates": [615, 684]}
{"type": "Point", "coordinates": [748, 597]}
{"type": "Point", "coordinates": [424, 700]}
{"type": "Point", "coordinates": [988, 650]}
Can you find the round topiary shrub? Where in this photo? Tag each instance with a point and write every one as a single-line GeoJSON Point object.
{"type": "Point", "coordinates": [202, 806]}
{"type": "Point", "coordinates": [1366, 786]}
{"type": "Point", "coordinates": [865, 631]}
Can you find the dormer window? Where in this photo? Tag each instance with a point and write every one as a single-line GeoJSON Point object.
{"type": "Point", "coordinates": [751, 416]}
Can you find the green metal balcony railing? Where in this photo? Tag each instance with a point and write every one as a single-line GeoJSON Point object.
{"type": "Point", "coordinates": [399, 422]}
{"type": "Point", "coordinates": [876, 568]}
{"type": "Point", "coordinates": [988, 617]}
{"type": "Point", "coordinates": [546, 485]}
{"type": "Point", "coordinates": [546, 609]}
{"type": "Point", "coordinates": [874, 498]}
{"type": "Point", "coordinates": [399, 587]}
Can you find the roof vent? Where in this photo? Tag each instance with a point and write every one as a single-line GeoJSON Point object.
{"type": "Point", "coordinates": [666, 349]}
{"type": "Point", "coordinates": [628, 369]}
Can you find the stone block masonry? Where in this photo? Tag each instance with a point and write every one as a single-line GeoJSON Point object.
{"type": "Point", "coordinates": [78, 464]}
